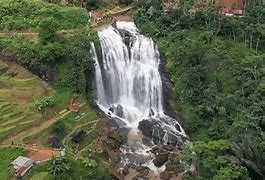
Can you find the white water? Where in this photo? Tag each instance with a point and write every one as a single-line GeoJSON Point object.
{"type": "Point", "coordinates": [129, 85]}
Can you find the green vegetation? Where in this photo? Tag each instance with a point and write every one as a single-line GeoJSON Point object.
{"type": "Point", "coordinates": [217, 65]}
{"type": "Point", "coordinates": [19, 89]}
{"type": "Point", "coordinates": [76, 169]}
{"type": "Point", "coordinates": [24, 15]}
{"type": "Point", "coordinates": [44, 103]}
{"type": "Point", "coordinates": [7, 155]}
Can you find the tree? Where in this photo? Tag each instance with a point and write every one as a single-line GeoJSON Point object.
{"type": "Point", "coordinates": [59, 129]}
{"type": "Point", "coordinates": [59, 165]}
{"type": "Point", "coordinates": [89, 163]}
{"type": "Point", "coordinates": [47, 30]}
{"type": "Point", "coordinates": [44, 103]}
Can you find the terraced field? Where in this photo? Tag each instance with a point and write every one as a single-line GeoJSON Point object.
{"type": "Point", "coordinates": [18, 90]}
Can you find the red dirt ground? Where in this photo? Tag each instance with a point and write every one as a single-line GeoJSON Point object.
{"type": "Point", "coordinates": [43, 154]}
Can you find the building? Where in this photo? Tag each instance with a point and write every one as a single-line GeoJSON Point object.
{"type": "Point", "coordinates": [75, 107]}
{"type": "Point", "coordinates": [22, 165]}
{"type": "Point", "coordinates": [233, 7]}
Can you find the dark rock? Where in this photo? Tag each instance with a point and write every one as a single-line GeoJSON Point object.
{"type": "Point", "coordinates": [165, 175]}
{"type": "Point", "coordinates": [141, 177]}
{"type": "Point", "coordinates": [161, 130]}
{"type": "Point", "coordinates": [125, 171]}
{"type": "Point", "coordinates": [118, 110]}
{"type": "Point", "coordinates": [167, 85]}
{"type": "Point", "coordinates": [127, 37]}
{"type": "Point", "coordinates": [168, 148]}
{"type": "Point", "coordinates": [143, 170]}
{"type": "Point", "coordinates": [134, 178]}
{"type": "Point", "coordinates": [160, 160]}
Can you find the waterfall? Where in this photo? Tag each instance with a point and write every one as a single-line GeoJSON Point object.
{"type": "Point", "coordinates": [129, 86]}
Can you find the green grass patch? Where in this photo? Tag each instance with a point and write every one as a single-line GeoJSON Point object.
{"type": "Point", "coordinates": [7, 155]}
{"type": "Point", "coordinates": [39, 176]}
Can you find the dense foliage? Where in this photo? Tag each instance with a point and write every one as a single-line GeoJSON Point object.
{"type": "Point", "coordinates": [22, 15]}
{"type": "Point", "coordinates": [217, 65]}
{"type": "Point", "coordinates": [68, 56]}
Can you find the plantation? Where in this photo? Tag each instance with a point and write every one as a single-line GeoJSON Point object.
{"type": "Point", "coordinates": [18, 90]}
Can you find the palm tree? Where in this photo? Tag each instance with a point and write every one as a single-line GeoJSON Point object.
{"type": "Point", "coordinates": [59, 165]}
{"type": "Point", "coordinates": [89, 163]}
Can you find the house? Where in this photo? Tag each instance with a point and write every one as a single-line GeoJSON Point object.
{"type": "Point", "coordinates": [55, 142]}
{"type": "Point", "coordinates": [96, 16]}
{"type": "Point", "coordinates": [22, 165]}
{"type": "Point", "coordinates": [75, 107]}
{"type": "Point", "coordinates": [233, 7]}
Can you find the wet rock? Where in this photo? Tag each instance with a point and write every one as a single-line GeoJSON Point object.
{"type": "Point", "coordinates": [125, 171]}
{"type": "Point", "coordinates": [118, 110]}
{"type": "Point", "coordinates": [143, 170]}
{"type": "Point", "coordinates": [168, 148]}
{"type": "Point", "coordinates": [127, 37]}
{"type": "Point", "coordinates": [160, 160]}
{"type": "Point", "coordinates": [167, 85]}
{"type": "Point", "coordinates": [164, 131]}
{"type": "Point", "coordinates": [165, 175]}
{"type": "Point", "coordinates": [141, 177]}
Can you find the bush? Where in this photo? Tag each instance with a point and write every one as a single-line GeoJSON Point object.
{"type": "Point", "coordinates": [59, 129]}
{"type": "Point", "coordinates": [47, 30]}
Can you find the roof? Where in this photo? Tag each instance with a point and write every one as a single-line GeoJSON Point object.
{"type": "Point", "coordinates": [21, 170]}
{"type": "Point", "coordinates": [75, 107]}
{"type": "Point", "coordinates": [22, 161]}
{"type": "Point", "coordinates": [239, 4]}
{"type": "Point", "coordinates": [55, 142]}
{"type": "Point", "coordinates": [97, 14]}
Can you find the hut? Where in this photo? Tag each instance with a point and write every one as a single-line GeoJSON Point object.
{"type": "Point", "coordinates": [78, 136]}
{"type": "Point", "coordinates": [55, 142]}
{"type": "Point", "coordinates": [22, 165]}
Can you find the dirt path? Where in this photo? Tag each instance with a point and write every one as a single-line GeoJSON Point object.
{"type": "Point", "coordinates": [78, 154]}
{"type": "Point", "coordinates": [36, 129]}
{"type": "Point", "coordinates": [77, 127]}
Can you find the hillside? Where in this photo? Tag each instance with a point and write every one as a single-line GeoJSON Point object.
{"type": "Point", "coordinates": [211, 78]}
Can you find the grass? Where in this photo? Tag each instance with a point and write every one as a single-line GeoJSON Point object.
{"type": "Point", "coordinates": [39, 176]}
{"type": "Point", "coordinates": [7, 155]}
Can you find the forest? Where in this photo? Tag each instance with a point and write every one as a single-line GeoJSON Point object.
{"type": "Point", "coordinates": [216, 63]}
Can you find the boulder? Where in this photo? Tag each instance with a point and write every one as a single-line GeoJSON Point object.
{"type": "Point", "coordinates": [143, 170]}
{"type": "Point", "coordinates": [163, 131]}
{"type": "Point", "coordinates": [165, 175]}
{"type": "Point", "coordinates": [160, 159]}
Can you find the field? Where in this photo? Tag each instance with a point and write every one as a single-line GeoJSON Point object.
{"type": "Point", "coordinates": [18, 90]}
{"type": "Point", "coordinates": [7, 155]}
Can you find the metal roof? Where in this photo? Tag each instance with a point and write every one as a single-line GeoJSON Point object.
{"type": "Point", "coordinates": [22, 161]}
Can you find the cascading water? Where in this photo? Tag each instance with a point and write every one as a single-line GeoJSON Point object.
{"type": "Point", "coordinates": [129, 88]}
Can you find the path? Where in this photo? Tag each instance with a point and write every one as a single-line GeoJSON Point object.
{"type": "Point", "coordinates": [38, 154]}
{"type": "Point", "coordinates": [77, 127]}
{"type": "Point", "coordinates": [115, 12]}
{"type": "Point", "coordinates": [36, 129]}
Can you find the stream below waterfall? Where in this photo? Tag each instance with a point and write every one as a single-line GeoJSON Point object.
{"type": "Point", "coordinates": [129, 91]}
